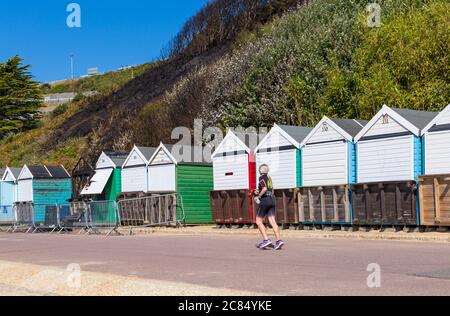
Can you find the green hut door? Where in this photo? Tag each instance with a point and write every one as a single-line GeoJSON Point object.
{"type": "Point", "coordinates": [194, 184]}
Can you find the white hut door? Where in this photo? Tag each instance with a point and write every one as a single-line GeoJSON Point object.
{"type": "Point", "coordinates": [388, 159]}
{"type": "Point", "coordinates": [25, 191]}
{"type": "Point", "coordinates": [325, 164]}
{"type": "Point", "coordinates": [283, 167]}
{"type": "Point", "coordinates": [231, 172]}
{"type": "Point", "coordinates": [162, 178]}
{"type": "Point", "coordinates": [437, 153]}
{"type": "Point", "coordinates": [134, 179]}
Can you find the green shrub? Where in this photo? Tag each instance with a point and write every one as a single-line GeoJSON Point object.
{"type": "Point", "coordinates": [323, 59]}
{"type": "Point", "coordinates": [60, 109]}
{"type": "Point", "coordinates": [406, 62]}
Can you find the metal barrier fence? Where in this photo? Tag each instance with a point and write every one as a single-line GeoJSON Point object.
{"type": "Point", "coordinates": [72, 216]}
{"type": "Point", "coordinates": [93, 216]}
{"type": "Point", "coordinates": [45, 217]}
{"type": "Point", "coordinates": [24, 217]}
{"type": "Point", "coordinates": [102, 215]}
{"type": "Point", "coordinates": [88, 217]}
{"type": "Point", "coordinates": [156, 210]}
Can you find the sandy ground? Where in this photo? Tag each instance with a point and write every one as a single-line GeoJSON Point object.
{"type": "Point", "coordinates": [20, 279]}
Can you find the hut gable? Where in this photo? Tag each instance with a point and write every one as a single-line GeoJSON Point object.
{"type": "Point", "coordinates": [162, 156]}
{"type": "Point", "coordinates": [390, 121]}
{"type": "Point", "coordinates": [330, 130]}
{"type": "Point", "coordinates": [111, 160]}
{"type": "Point", "coordinates": [326, 132]}
{"type": "Point", "coordinates": [139, 156]}
{"type": "Point", "coordinates": [11, 174]}
{"type": "Point", "coordinates": [386, 125]}
{"type": "Point", "coordinates": [25, 174]}
{"type": "Point", "coordinates": [284, 137]}
{"type": "Point", "coordinates": [104, 162]}
{"type": "Point", "coordinates": [440, 123]}
{"type": "Point", "coordinates": [232, 143]}
{"type": "Point", "coordinates": [444, 116]}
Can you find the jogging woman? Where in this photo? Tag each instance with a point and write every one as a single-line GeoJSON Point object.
{"type": "Point", "coordinates": [267, 209]}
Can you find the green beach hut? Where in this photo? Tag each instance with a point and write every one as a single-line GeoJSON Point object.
{"type": "Point", "coordinates": [187, 171]}
{"type": "Point", "coordinates": [106, 184]}
{"type": "Point", "coordinates": [104, 187]}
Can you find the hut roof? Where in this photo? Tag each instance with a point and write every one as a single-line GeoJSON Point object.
{"type": "Point", "coordinates": [118, 158]}
{"type": "Point", "coordinates": [419, 119]}
{"type": "Point", "coordinates": [148, 152]}
{"type": "Point", "coordinates": [195, 155]}
{"type": "Point", "coordinates": [352, 127]}
{"type": "Point", "coordinates": [249, 139]}
{"type": "Point", "coordinates": [298, 133]}
{"type": "Point", "coordinates": [58, 172]}
{"type": "Point", "coordinates": [48, 172]}
{"type": "Point", "coordinates": [15, 171]}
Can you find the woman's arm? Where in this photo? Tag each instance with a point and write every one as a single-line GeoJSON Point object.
{"type": "Point", "coordinates": [263, 191]}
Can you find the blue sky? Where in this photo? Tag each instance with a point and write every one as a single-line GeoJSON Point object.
{"type": "Point", "coordinates": [113, 33]}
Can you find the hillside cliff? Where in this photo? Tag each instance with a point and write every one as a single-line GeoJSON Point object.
{"type": "Point", "coordinates": [293, 64]}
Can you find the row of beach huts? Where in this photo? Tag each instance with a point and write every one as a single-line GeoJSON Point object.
{"type": "Point", "coordinates": [391, 171]}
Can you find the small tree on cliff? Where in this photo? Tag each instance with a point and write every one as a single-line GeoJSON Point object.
{"type": "Point", "coordinates": [20, 97]}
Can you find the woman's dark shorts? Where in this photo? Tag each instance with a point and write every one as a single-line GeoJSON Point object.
{"type": "Point", "coordinates": [267, 208]}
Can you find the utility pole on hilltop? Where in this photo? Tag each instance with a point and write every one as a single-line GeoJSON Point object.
{"type": "Point", "coordinates": [71, 65]}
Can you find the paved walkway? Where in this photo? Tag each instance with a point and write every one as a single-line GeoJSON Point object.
{"type": "Point", "coordinates": [188, 264]}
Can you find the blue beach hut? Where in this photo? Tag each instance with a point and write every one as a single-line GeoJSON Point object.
{"type": "Point", "coordinates": [8, 193]}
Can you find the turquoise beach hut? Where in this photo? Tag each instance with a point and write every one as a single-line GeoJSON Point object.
{"type": "Point", "coordinates": [44, 186]}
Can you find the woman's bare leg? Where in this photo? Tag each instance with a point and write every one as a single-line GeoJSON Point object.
{"type": "Point", "coordinates": [262, 227]}
{"type": "Point", "coordinates": [275, 227]}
